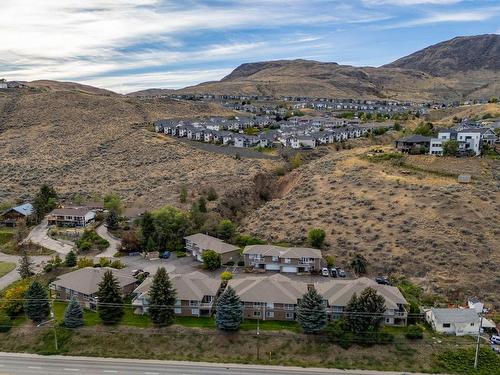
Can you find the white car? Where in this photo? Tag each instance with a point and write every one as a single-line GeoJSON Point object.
{"type": "Point", "coordinates": [495, 340]}
{"type": "Point", "coordinates": [325, 271]}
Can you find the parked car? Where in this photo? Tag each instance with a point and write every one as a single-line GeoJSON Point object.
{"type": "Point", "coordinates": [333, 272]}
{"type": "Point", "coordinates": [165, 255]}
{"type": "Point", "coordinates": [325, 271]}
{"type": "Point", "coordinates": [383, 280]}
{"type": "Point", "coordinates": [136, 272]}
{"type": "Point", "coordinates": [495, 339]}
{"type": "Point", "coordinates": [341, 272]}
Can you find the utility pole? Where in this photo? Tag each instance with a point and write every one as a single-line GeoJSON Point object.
{"type": "Point", "coordinates": [258, 333]}
{"type": "Point", "coordinates": [476, 359]}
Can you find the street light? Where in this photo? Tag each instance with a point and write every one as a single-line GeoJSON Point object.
{"type": "Point", "coordinates": [476, 359]}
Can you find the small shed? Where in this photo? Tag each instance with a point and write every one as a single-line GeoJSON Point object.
{"type": "Point", "coordinates": [464, 178]}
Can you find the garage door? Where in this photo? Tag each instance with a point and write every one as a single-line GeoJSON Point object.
{"type": "Point", "coordinates": [289, 269]}
{"type": "Point", "coordinates": [273, 267]}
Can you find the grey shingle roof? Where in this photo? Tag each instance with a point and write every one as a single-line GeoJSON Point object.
{"type": "Point", "coordinates": [212, 243]}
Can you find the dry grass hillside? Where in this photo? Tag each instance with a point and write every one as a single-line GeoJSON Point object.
{"type": "Point", "coordinates": [93, 144]}
{"type": "Point", "coordinates": [410, 217]}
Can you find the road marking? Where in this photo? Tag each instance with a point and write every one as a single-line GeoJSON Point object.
{"type": "Point", "coordinates": [151, 373]}
{"type": "Point", "coordinates": [71, 369]}
{"type": "Point", "coordinates": [109, 371]}
{"type": "Point", "coordinates": [35, 367]}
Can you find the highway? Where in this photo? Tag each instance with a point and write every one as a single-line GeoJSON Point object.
{"type": "Point", "coordinates": [24, 364]}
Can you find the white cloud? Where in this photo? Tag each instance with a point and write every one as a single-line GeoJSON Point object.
{"type": "Point", "coordinates": [462, 16]}
{"type": "Point", "coordinates": [410, 2]}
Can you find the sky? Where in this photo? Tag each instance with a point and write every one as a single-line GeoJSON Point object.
{"type": "Point", "coordinates": [129, 45]}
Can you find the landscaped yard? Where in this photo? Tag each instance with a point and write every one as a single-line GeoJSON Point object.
{"type": "Point", "coordinates": [6, 267]}
{"type": "Point", "coordinates": [6, 235]}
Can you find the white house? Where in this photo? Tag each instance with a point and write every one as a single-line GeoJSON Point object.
{"type": "Point", "coordinates": [453, 321]}
{"type": "Point", "coordinates": [476, 304]}
{"type": "Point", "coordinates": [3, 84]}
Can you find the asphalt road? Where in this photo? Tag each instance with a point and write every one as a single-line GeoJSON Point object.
{"type": "Point", "coordinates": [21, 364]}
{"type": "Point", "coordinates": [39, 236]}
{"type": "Point", "coordinates": [114, 243]}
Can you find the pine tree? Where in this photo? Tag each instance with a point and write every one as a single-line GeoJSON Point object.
{"type": "Point", "coordinates": [365, 313]}
{"type": "Point", "coordinates": [151, 245]}
{"type": "Point", "coordinates": [25, 266]}
{"type": "Point", "coordinates": [202, 204]}
{"type": "Point", "coordinates": [161, 299]}
{"type": "Point", "coordinates": [112, 219]}
{"type": "Point", "coordinates": [147, 227]}
{"type": "Point", "coordinates": [109, 305]}
{"type": "Point", "coordinates": [311, 312]}
{"type": "Point", "coordinates": [36, 304]}
{"type": "Point", "coordinates": [73, 315]}
{"type": "Point", "coordinates": [70, 259]}
{"type": "Point", "coordinates": [229, 311]}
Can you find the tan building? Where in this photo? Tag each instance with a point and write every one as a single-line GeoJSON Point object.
{"type": "Point", "coordinates": [269, 298]}
{"type": "Point", "coordinates": [83, 285]}
{"type": "Point", "coordinates": [197, 243]}
{"type": "Point", "coordinates": [338, 293]}
{"type": "Point", "coordinates": [196, 293]}
{"type": "Point", "coordinates": [283, 259]}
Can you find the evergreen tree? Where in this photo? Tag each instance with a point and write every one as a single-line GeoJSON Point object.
{"type": "Point", "coordinates": [73, 315]}
{"type": "Point", "coordinates": [365, 313]}
{"type": "Point", "coordinates": [36, 304]}
{"type": "Point", "coordinates": [110, 302]}
{"type": "Point", "coordinates": [311, 312]}
{"type": "Point", "coordinates": [202, 204]}
{"type": "Point", "coordinates": [25, 266]}
{"type": "Point", "coordinates": [70, 259]}
{"type": "Point", "coordinates": [45, 201]}
{"type": "Point", "coordinates": [112, 219]}
{"type": "Point", "coordinates": [226, 229]}
{"type": "Point", "coordinates": [161, 299]}
{"type": "Point", "coordinates": [147, 227]}
{"type": "Point", "coordinates": [229, 311]}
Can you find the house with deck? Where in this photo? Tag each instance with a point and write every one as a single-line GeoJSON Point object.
{"type": "Point", "coordinates": [71, 217]}
{"type": "Point", "coordinates": [83, 285]}
{"type": "Point", "coordinates": [195, 294]}
{"type": "Point", "coordinates": [197, 243]}
{"type": "Point", "coordinates": [283, 259]}
{"type": "Point", "coordinates": [10, 216]}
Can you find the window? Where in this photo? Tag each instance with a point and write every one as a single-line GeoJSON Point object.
{"type": "Point", "coordinates": [193, 303]}
{"type": "Point", "coordinates": [195, 312]}
{"type": "Point", "coordinates": [177, 310]}
{"type": "Point", "coordinates": [259, 304]}
{"type": "Point", "coordinates": [472, 324]}
{"type": "Point", "coordinates": [275, 258]}
{"type": "Point", "coordinates": [289, 307]}
{"type": "Point", "coordinates": [270, 314]}
{"type": "Point", "coordinates": [256, 313]}
{"type": "Point", "coordinates": [289, 315]}
{"type": "Point", "coordinates": [446, 325]}
{"type": "Point", "coordinates": [270, 305]}
{"type": "Point", "coordinates": [288, 260]}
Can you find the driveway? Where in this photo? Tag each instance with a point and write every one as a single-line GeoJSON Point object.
{"type": "Point", "coordinates": [13, 275]}
{"type": "Point", "coordinates": [39, 236]}
{"type": "Point", "coordinates": [114, 243]}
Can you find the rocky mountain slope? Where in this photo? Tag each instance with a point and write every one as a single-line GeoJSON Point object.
{"type": "Point", "coordinates": [464, 67]}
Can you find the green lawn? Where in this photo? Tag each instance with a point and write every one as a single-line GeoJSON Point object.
{"type": "Point", "coordinates": [6, 267]}
{"type": "Point", "coordinates": [270, 325]}
{"type": "Point", "coordinates": [91, 318]}
{"type": "Point", "coordinates": [6, 234]}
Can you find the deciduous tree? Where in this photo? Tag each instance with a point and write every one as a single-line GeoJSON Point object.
{"type": "Point", "coordinates": [211, 260]}
{"type": "Point", "coordinates": [316, 237]}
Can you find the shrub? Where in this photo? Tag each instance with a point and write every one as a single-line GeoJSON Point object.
{"type": "Point", "coordinates": [414, 332]}
{"type": "Point", "coordinates": [85, 262]}
{"type": "Point", "coordinates": [84, 245]}
{"type": "Point", "coordinates": [338, 334]}
{"type": "Point", "coordinates": [211, 260]}
{"type": "Point", "coordinates": [316, 237]}
{"type": "Point", "coordinates": [48, 268]}
{"type": "Point", "coordinates": [330, 261]}
{"type": "Point", "coordinates": [226, 276]}
{"type": "Point", "coordinates": [13, 298]}
{"type": "Point", "coordinates": [117, 264]}
{"type": "Point", "coordinates": [280, 171]}
{"type": "Point", "coordinates": [243, 240]}
{"type": "Point", "coordinates": [212, 194]}
{"type": "Point", "coordinates": [5, 323]}
{"type": "Point", "coordinates": [104, 262]}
